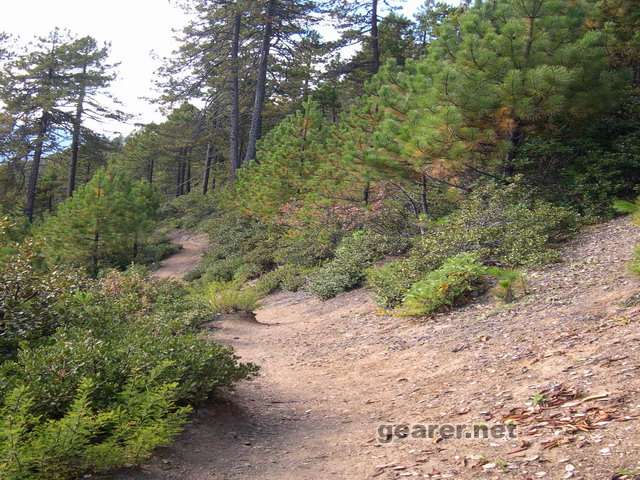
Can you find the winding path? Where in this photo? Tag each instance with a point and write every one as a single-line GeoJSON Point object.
{"type": "Point", "coordinates": [178, 265]}
{"type": "Point", "coordinates": [332, 372]}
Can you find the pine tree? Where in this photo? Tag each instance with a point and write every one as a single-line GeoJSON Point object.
{"type": "Point", "coordinates": [498, 72]}
{"type": "Point", "coordinates": [102, 224]}
{"type": "Point", "coordinates": [287, 159]}
{"type": "Point", "coordinates": [92, 77]}
{"type": "Point", "coordinates": [35, 89]}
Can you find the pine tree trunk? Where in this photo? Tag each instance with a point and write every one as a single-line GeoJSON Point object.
{"type": "Point", "coordinates": [423, 195]}
{"type": "Point", "coordinates": [261, 84]}
{"type": "Point", "coordinates": [187, 166]}
{"type": "Point", "coordinates": [75, 143]}
{"type": "Point", "coordinates": [375, 40]}
{"type": "Point", "coordinates": [234, 131]}
{"type": "Point", "coordinates": [207, 170]}
{"type": "Point", "coordinates": [180, 174]}
{"type": "Point", "coordinates": [94, 254]}
{"type": "Point", "coordinates": [515, 140]}
{"type": "Point", "coordinates": [35, 166]}
{"type": "Point", "coordinates": [150, 170]}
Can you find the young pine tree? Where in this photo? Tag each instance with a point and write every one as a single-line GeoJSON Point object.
{"type": "Point", "coordinates": [102, 224]}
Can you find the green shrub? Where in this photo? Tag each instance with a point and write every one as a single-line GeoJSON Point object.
{"type": "Point", "coordinates": [458, 277]}
{"type": "Point", "coordinates": [157, 250]}
{"type": "Point", "coordinates": [290, 278]}
{"type": "Point", "coordinates": [144, 417]}
{"type": "Point", "coordinates": [346, 270]}
{"type": "Point", "coordinates": [188, 211]}
{"type": "Point", "coordinates": [391, 281]}
{"type": "Point", "coordinates": [634, 265]}
{"type": "Point", "coordinates": [31, 299]}
{"type": "Point", "coordinates": [230, 297]}
{"type": "Point", "coordinates": [113, 382]}
{"type": "Point", "coordinates": [502, 225]}
{"type": "Point", "coordinates": [294, 278]}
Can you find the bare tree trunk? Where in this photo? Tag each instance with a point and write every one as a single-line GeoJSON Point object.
{"type": "Point", "coordinates": [375, 40]}
{"type": "Point", "coordinates": [515, 140]}
{"type": "Point", "coordinates": [180, 175]}
{"type": "Point", "coordinates": [150, 170]}
{"type": "Point", "coordinates": [423, 195]}
{"type": "Point", "coordinates": [207, 170]}
{"type": "Point", "coordinates": [187, 167]}
{"type": "Point", "coordinates": [261, 84]}
{"type": "Point", "coordinates": [75, 143]}
{"type": "Point", "coordinates": [35, 166]}
{"type": "Point", "coordinates": [94, 253]}
{"type": "Point", "coordinates": [234, 131]}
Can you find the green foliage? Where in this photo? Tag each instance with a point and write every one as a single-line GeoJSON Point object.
{"type": "Point", "coordinates": [452, 283]}
{"type": "Point", "coordinates": [103, 224]}
{"type": "Point", "coordinates": [229, 297]}
{"type": "Point", "coordinates": [501, 224]}
{"type": "Point", "coordinates": [85, 438]}
{"type": "Point", "coordinates": [346, 270]}
{"type": "Point", "coordinates": [156, 250]}
{"type": "Point", "coordinates": [510, 284]}
{"type": "Point", "coordinates": [633, 209]}
{"type": "Point", "coordinates": [236, 241]}
{"type": "Point", "coordinates": [287, 159]}
{"type": "Point", "coordinates": [187, 211]}
{"type": "Point", "coordinates": [32, 300]}
{"type": "Point", "coordinates": [98, 394]}
{"type": "Point", "coordinates": [391, 281]}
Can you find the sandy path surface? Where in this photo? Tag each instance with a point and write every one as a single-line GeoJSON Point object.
{"type": "Point", "coordinates": [181, 263]}
{"type": "Point", "coordinates": [333, 371]}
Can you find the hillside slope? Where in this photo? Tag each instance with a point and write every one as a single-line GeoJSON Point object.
{"type": "Point", "coordinates": [334, 371]}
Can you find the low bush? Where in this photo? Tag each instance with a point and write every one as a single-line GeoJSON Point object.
{"type": "Point", "coordinates": [85, 438]}
{"type": "Point", "coordinates": [229, 297]}
{"type": "Point", "coordinates": [510, 284]}
{"type": "Point", "coordinates": [114, 381]}
{"type": "Point", "coordinates": [455, 280]}
{"type": "Point", "coordinates": [501, 224]}
{"type": "Point", "coordinates": [290, 278]}
{"type": "Point", "coordinates": [32, 299]}
{"type": "Point", "coordinates": [391, 281]}
{"type": "Point", "coordinates": [157, 250]}
{"type": "Point", "coordinates": [346, 270]}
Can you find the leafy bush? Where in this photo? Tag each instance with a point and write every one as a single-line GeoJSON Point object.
{"type": "Point", "coordinates": [31, 299]}
{"type": "Point", "coordinates": [391, 281]}
{"type": "Point", "coordinates": [633, 209]}
{"type": "Point", "coordinates": [85, 438]}
{"type": "Point", "coordinates": [230, 297]}
{"type": "Point", "coordinates": [188, 211]}
{"type": "Point", "coordinates": [98, 393]}
{"type": "Point", "coordinates": [458, 277]}
{"type": "Point", "coordinates": [347, 269]}
{"type": "Point", "coordinates": [239, 246]}
{"type": "Point", "coordinates": [293, 278]}
{"type": "Point", "coordinates": [502, 225]}
{"type": "Point", "coordinates": [156, 251]}
{"type": "Point", "coordinates": [290, 278]}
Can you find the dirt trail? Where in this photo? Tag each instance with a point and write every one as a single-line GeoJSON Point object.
{"type": "Point", "coordinates": [333, 371]}
{"type": "Point", "coordinates": [188, 258]}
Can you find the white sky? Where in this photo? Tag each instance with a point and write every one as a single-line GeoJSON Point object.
{"type": "Point", "coordinates": [135, 28]}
